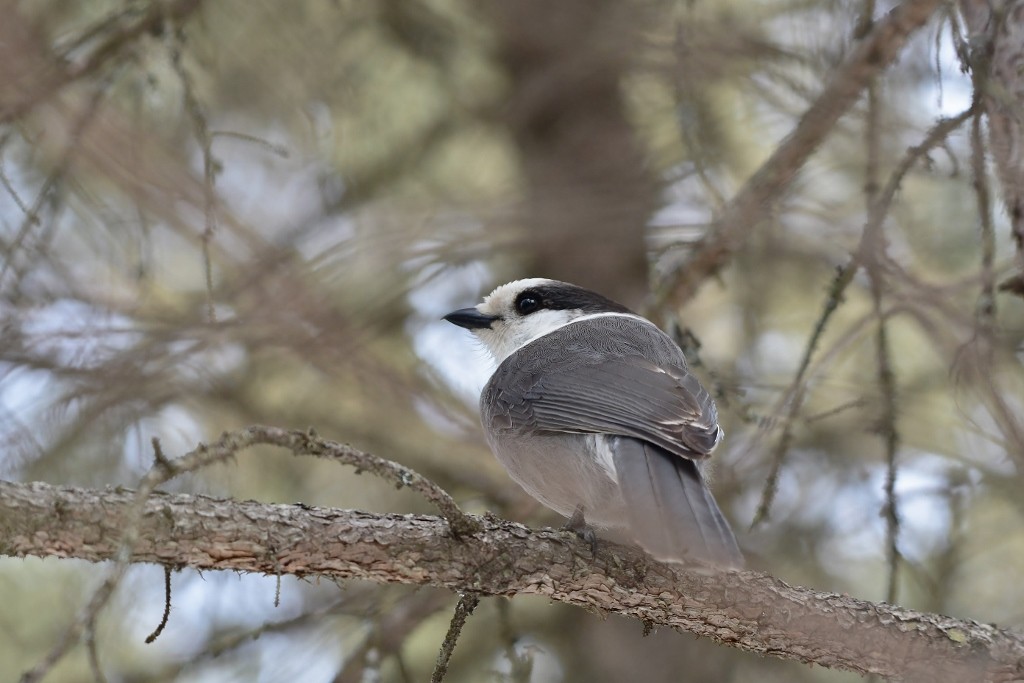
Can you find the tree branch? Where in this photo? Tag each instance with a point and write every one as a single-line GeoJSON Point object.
{"type": "Point", "coordinates": [769, 184]}
{"type": "Point", "coordinates": [996, 36]}
{"type": "Point", "coordinates": [748, 610]}
{"type": "Point", "coordinates": [32, 75]}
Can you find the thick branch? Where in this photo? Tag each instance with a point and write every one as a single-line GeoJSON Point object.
{"type": "Point", "coordinates": [768, 185]}
{"type": "Point", "coordinates": [748, 610]}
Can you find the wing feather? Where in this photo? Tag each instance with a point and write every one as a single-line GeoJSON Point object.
{"type": "Point", "coordinates": [577, 379]}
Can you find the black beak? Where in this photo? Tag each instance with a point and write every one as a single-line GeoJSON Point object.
{"type": "Point", "coordinates": [471, 319]}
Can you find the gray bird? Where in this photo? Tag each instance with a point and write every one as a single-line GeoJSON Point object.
{"type": "Point", "coordinates": [593, 411]}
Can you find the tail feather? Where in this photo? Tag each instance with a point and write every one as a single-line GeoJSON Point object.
{"type": "Point", "coordinates": [671, 511]}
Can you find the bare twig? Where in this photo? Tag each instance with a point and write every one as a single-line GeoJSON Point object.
{"type": "Point", "coordinates": [467, 603]}
{"type": "Point", "coordinates": [235, 639]}
{"type": "Point", "coordinates": [268, 146]}
{"type": "Point", "coordinates": [769, 184]}
{"type": "Point", "coordinates": [310, 444]}
{"type": "Point", "coordinates": [797, 390]}
{"type": "Point", "coordinates": [873, 254]}
{"type": "Point", "coordinates": [201, 130]}
{"type": "Point", "coordinates": [53, 179]}
{"type": "Point", "coordinates": [886, 427]}
{"type": "Point", "coordinates": [167, 607]}
{"type": "Point", "coordinates": [891, 438]}
{"type": "Point", "coordinates": [985, 313]}
{"type": "Point", "coordinates": [389, 633]}
{"type": "Point", "coordinates": [975, 358]}
{"type": "Point", "coordinates": [879, 209]}
{"type": "Point", "coordinates": [89, 637]}
{"type": "Point", "coordinates": [158, 453]}
{"type": "Point", "coordinates": [54, 74]}
{"type": "Point", "coordinates": [11, 190]}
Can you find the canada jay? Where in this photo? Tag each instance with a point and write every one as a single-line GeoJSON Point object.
{"type": "Point", "coordinates": [593, 411]}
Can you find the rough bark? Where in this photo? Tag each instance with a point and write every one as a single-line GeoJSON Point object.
{"type": "Point", "coordinates": [747, 610]}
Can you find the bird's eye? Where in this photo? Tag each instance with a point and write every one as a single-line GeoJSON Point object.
{"type": "Point", "coordinates": [527, 303]}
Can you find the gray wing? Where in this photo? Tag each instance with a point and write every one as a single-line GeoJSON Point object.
{"type": "Point", "coordinates": [610, 375]}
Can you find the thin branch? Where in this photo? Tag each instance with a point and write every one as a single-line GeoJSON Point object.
{"type": "Point", "coordinates": [876, 215]}
{"type": "Point", "coordinates": [93, 652]}
{"type": "Point", "coordinates": [975, 359]}
{"type": "Point", "coordinates": [873, 245]}
{"type": "Point", "coordinates": [55, 74]}
{"type": "Point", "coordinates": [267, 146]}
{"type": "Point", "coordinates": [747, 610]}
{"type": "Point", "coordinates": [389, 633]}
{"type": "Point", "coordinates": [463, 610]}
{"type": "Point", "coordinates": [798, 389]}
{"type": "Point", "coordinates": [935, 136]}
{"type": "Point", "coordinates": [232, 640]}
{"type": "Point", "coordinates": [167, 607]}
{"type": "Point", "coordinates": [769, 184]}
{"type": "Point", "coordinates": [78, 128]}
{"type": "Point", "coordinates": [985, 313]}
{"type": "Point", "coordinates": [201, 130]}
{"type": "Point", "coordinates": [891, 438]}
{"type": "Point", "coordinates": [308, 443]}
{"type": "Point", "coordinates": [19, 201]}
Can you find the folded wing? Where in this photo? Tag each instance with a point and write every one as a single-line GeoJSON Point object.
{"type": "Point", "coordinates": [580, 381]}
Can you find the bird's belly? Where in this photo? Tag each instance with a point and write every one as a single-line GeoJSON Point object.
{"type": "Point", "coordinates": [564, 472]}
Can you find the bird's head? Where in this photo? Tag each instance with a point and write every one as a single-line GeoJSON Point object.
{"type": "Point", "coordinates": [518, 312]}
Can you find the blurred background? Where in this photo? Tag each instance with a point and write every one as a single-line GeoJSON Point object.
{"type": "Point", "coordinates": [218, 214]}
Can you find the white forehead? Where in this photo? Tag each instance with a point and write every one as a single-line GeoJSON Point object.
{"type": "Point", "coordinates": [502, 298]}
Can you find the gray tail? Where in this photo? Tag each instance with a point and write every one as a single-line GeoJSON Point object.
{"type": "Point", "coordinates": [671, 511]}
